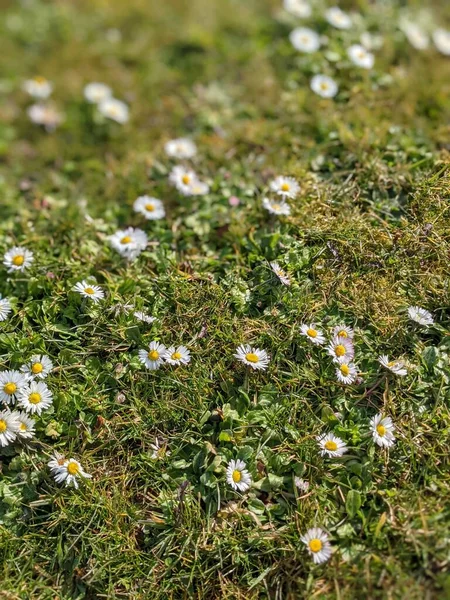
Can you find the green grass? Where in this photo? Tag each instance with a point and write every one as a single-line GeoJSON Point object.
{"type": "Point", "coordinates": [368, 236]}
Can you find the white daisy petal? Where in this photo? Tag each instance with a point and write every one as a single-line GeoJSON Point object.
{"type": "Point", "coordinates": [18, 259]}
{"type": "Point", "coordinates": [35, 397]}
{"type": "Point", "coordinates": [151, 208]}
{"type": "Point", "coordinates": [113, 109]}
{"type": "Point", "coordinates": [97, 92]}
{"type": "Point", "coordinates": [313, 334]}
{"type": "Point", "coordinates": [276, 207]}
{"type": "Point", "coordinates": [397, 367]}
{"type": "Point", "coordinates": [280, 273]}
{"type": "Point", "coordinates": [11, 384]}
{"type": "Point", "coordinates": [338, 18]}
{"type": "Point", "coordinates": [93, 292]}
{"type": "Point", "coordinates": [286, 187]}
{"type": "Point", "coordinates": [316, 541]}
{"type": "Point", "coordinates": [180, 148]}
{"type": "Point", "coordinates": [420, 315]}
{"type": "Point", "coordinates": [5, 308]}
{"type": "Point", "coordinates": [177, 356]}
{"type": "Point", "coordinates": [129, 242]}
{"type": "Point", "coordinates": [154, 357]}
{"type": "Point", "coordinates": [8, 427]}
{"type": "Point", "coordinates": [237, 476]}
{"type": "Point", "coordinates": [360, 56]}
{"type": "Point", "coordinates": [324, 86]}
{"type": "Point", "coordinates": [341, 349]}
{"type": "Point", "coordinates": [69, 472]}
{"type": "Point", "coordinates": [382, 431]}
{"type": "Point", "coordinates": [38, 87]}
{"type": "Point", "coordinates": [253, 357]}
{"type": "Point", "coordinates": [305, 40]}
{"type": "Point", "coordinates": [38, 366]}
{"type": "Point", "coordinates": [331, 445]}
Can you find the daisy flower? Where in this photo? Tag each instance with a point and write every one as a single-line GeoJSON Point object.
{"type": "Point", "coordinates": [316, 540]}
{"type": "Point", "coordinates": [331, 445]}
{"type": "Point", "coordinates": [415, 35]}
{"type": "Point", "coordinates": [301, 484]}
{"type": "Point", "coordinates": [298, 8]}
{"type": "Point", "coordinates": [153, 358]}
{"type": "Point", "coordinates": [97, 92]}
{"type": "Point", "coordinates": [56, 461]}
{"type": "Point", "coordinates": [8, 427]}
{"type": "Point", "coordinates": [338, 18]}
{"type": "Point", "coordinates": [38, 87]}
{"type": "Point", "coordinates": [45, 115]}
{"type": "Point", "coordinates": [114, 109]}
{"type": "Point", "coordinates": [39, 366]}
{"type": "Point", "coordinates": [238, 476]}
{"type": "Point", "coordinates": [360, 56]}
{"type": "Point", "coordinates": [304, 39]}
{"type": "Point", "coordinates": [346, 372]}
{"type": "Point", "coordinates": [177, 356]}
{"type": "Point", "coordinates": [159, 449]}
{"type": "Point", "coordinates": [144, 317]}
{"type": "Point", "coordinates": [11, 383]}
{"type": "Point", "coordinates": [324, 86]}
{"type": "Point", "coordinates": [341, 349]}
{"type": "Point", "coordinates": [343, 331]}
{"type": "Point", "coordinates": [69, 472]}
{"type": "Point", "coordinates": [253, 357]}
{"type": "Point", "coordinates": [5, 308]}
{"type": "Point", "coordinates": [17, 259]}
{"type": "Point", "coordinates": [151, 208]}
{"type": "Point", "coordinates": [180, 148]}
{"type": "Point", "coordinates": [280, 273]}
{"type": "Point", "coordinates": [277, 207]}
{"type": "Point", "coordinates": [314, 335]}
{"type": "Point", "coordinates": [129, 242]}
{"type": "Point", "coordinates": [183, 178]}
{"type": "Point", "coordinates": [441, 39]}
{"type": "Point", "coordinates": [93, 292]}
{"type": "Point", "coordinates": [35, 397]}
{"type": "Point", "coordinates": [26, 425]}
{"type": "Point", "coordinates": [198, 188]}
{"type": "Point", "coordinates": [420, 315]}
{"type": "Point", "coordinates": [286, 187]}
{"type": "Point", "coordinates": [396, 366]}
{"type": "Point", "coordinates": [382, 431]}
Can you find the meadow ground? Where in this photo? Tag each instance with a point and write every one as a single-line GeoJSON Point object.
{"type": "Point", "coordinates": [367, 236]}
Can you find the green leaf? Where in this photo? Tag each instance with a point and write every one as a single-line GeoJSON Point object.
{"type": "Point", "coordinates": [353, 503]}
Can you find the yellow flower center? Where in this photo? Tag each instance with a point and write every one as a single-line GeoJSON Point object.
{"type": "Point", "coordinates": [381, 430]}
{"type": "Point", "coordinates": [339, 350]}
{"type": "Point", "coordinates": [153, 355]}
{"type": "Point", "coordinates": [345, 370]}
{"type": "Point", "coordinates": [330, 445]}
{"type": "Point", "coordinates": [125, 240]}
{"type": "Point", "coordinates": [10, 388]}
{"type": "Point", "coordinates": [150, 207]}
{"type": "Point", "coordinates": [89, 290]}
{"type": "Point", "coordinates": [237, 476]}
{"type": "Point", "coordinates": [312, 333]}
{"type": "Point", "coordinates": [22, 427]}
{"type": "Point", "coordinates": [276, 206]}
{"type": "Point", "coordinates": [285, 187]}
{"type": "Point", "coordinates": [176, 356]}
{"type": "Point", "coordinates": [73, 468]}
{"type": "Point", "coordinates": [37, 368]}
{"type": "Point", "coordinates": [315, 545]}
{"type": "Point", "coordinates": [40, 79]}
{"type": "Point", "coordinates": [34, 398]}
{"type": "Point", "coordinates": [251, 357]}
{"type": "Point", "coordinates": [324, 86]}
{"type": "Point", "coordinates": [18, 260]}
{"type": "Point", "coordinates": [185, 179]}
{"type": "Point", "coordinates": [342, 333]}
{"type": "Point", "coordinates": [3, 426]}
{"type": "Point", "coordinates": [392, 363]}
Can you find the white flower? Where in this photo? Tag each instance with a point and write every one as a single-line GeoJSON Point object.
{"type": "Point", "coordinates": [153, 358]}
{"type": "Point", "coordinates": [142, 316]}
{"type": "Point", "coordinates": [346, 372]}
{"type": "Point", "coordinates": [198, 188]}
{"type": "Point", "coordinates": [286, 187]}
{"type": "Point", "coordinates": [11, 383]}
{"type": "Point", "coordinates": [324, 86]}
{"type": "Point", "coordinates": [253, 357]}
{"type": "Point", "coordinates": [441, 39]}
{"type": "Point", "coordinates": [39, 366]}
{"type": "Point", "coordinates": [304, 39]}
{"type": "Point", "coordinates": [238, 476]}
{"type": "Point", "coordinates": [298, 8]}
{"type": "Point", "coordinates": [25, 424]}
{"type": "Point", "coordinates": [151, 208]}
{"type": "Point", "coordinates": [370, 41]}
{"type": "Point", "coordinates": [331, 445]}
{"type": "Point", "coordinates": [343, 331]}
{"type": "Point", "coordinates": [8, 427]}
{"type": "Point", "coordinates": [93, 292]}
{"type": "Point", "coordinates": [341, 349]}
{"type": "Point", "coordinates": [301, 484]}
{"type": "Point", "coordinates": [396, 366]}
{"type": "Point", "coordinates": [45, 115]}
{"type": "Point", "coordinates": [69, 472]}
{"type": "Point", "coordinates": [159, 449]}
{"type": "Point", "coordinates": [415, 35]}
{"type": "Point", "coordinates": [18, 259]}
{"type": "Point", "coordinates": [129, 242]}
{"type": "Point", "coordinates": [382, 431]}
{"type": "Point", "coordinates": [280, 273]}
{"type": "Point", "coordinates": [277, 207]}
{"type": "Point", "coordinates": [114, 109]}
{"type": "Point", "coordinates": [316, 540]}
{"type": "Point", "coordinates": [314, 335]}
{"type": "Point", "coordinates": [38, 87]}
{"type": "Point", "coordinates": [5, 308]}
{"type": "Point", "coordinates": [97, 92]}
{"type": "Point", "coordinates": [180, 148]}
{"type": "Point", "coordinates": [56, 461]}
{"type": "Point", "coordinates": [360, 56]}
{"type": "Point", "coordinates": [338, 18]}
{"type": "Point", "coordinates": [420, 315]}
{"type": "Point", "coordinates": [177, 356]}
{"type": "Point", "coordinates": [35, 397]}
{"type": "Point", "coordinates": [183, 178]}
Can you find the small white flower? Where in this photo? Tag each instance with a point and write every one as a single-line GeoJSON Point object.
{"type": "Point", "coordinates": [5, 308]}
{"type": "Point", "coordinates": [159, 449]}
{"type": "Point", "coordinates": [298, 8]}
{"type": "Point", "coordinates": [154, 357]}
{"type": "Point", "coordinates": [277, 207]}
{"type": "Point", "coordinates": [324, 86]}
{"type": "Point", "coordinates": [253, 357]}
{"type": "Point", "coordinates": [301, 484]}
{"type": "Point", "coordinates": [198, 188]}
{"type": "Point", "coordinates": [39, 366]}
{"type": "Point", "coordinates": [56, 461]}
{"type": "Point", "coordinates": [35, 397]}
{"type": "Point", "coordinates": [11, 383]}
{"type": "Point", "coordinates": [38, 87]}
{"type": "Point", "coordinates": [93, 292]}
{"type": "Point", "coordinates": [180, 148]}
{"type": "Point", "coordinates": [341, 349]}
{"type": "Point", "coordinates": [304, 39]}
{"type": "Point", "coordinates": [346, 372]}
{"type": "Point", "coordinates": [313, 334]}
{"type": "Point", "coordinates": [151, 208]}
{"type": "Point", "coordinates": [343, 331]}
{"type": "Point", "coordinates": [280, 273]}
{"type": "Point", "coordinates": [25, 424]}
{"type": "Point", "coordinates": [370, 41]}
{"type": "Point", "coordinates": [441, 39]}
{"type": "Point", "coordinates": [114, 109]}
{"type": "Point", "coordinates": [144, 317]}
{"type": "Point", "coordinates": [316, 541]}
{"type": "Point", "coordinates": [97, 92]}
{"type": "Point", "coordinates": [8, 427]}
{"type": "Point", "coordinates": [238, 476]}
{"type": "Point", "coordinates": [286, 187]}
{"type": "Point", "coordinates": [420, 315]}
{"type": "Point", "coordinates": [360, 56]}
{"type": "Point", "coordinates": [45, 115]}
{"type": "Point", "coordinates": [183, 179]}
{"type": "Point", "coordinates": [382, 431]}
{"type": "Point", "coordinates": [396, 366]}
{"type": "Point", "coordinates": [18, 259]}
{"type": "Point", "coordinates": [129, 242]}
{"type": "Point", "coordinates": [177, 356]}
{"type": "Point", "coordinates": [338, 18]}
{"type": "Point", "coordinates": [69, 472]}
{"type": "Point", "coordinates": [415, 35]}
{"type": "Point", "coordinates": [331, 445]}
